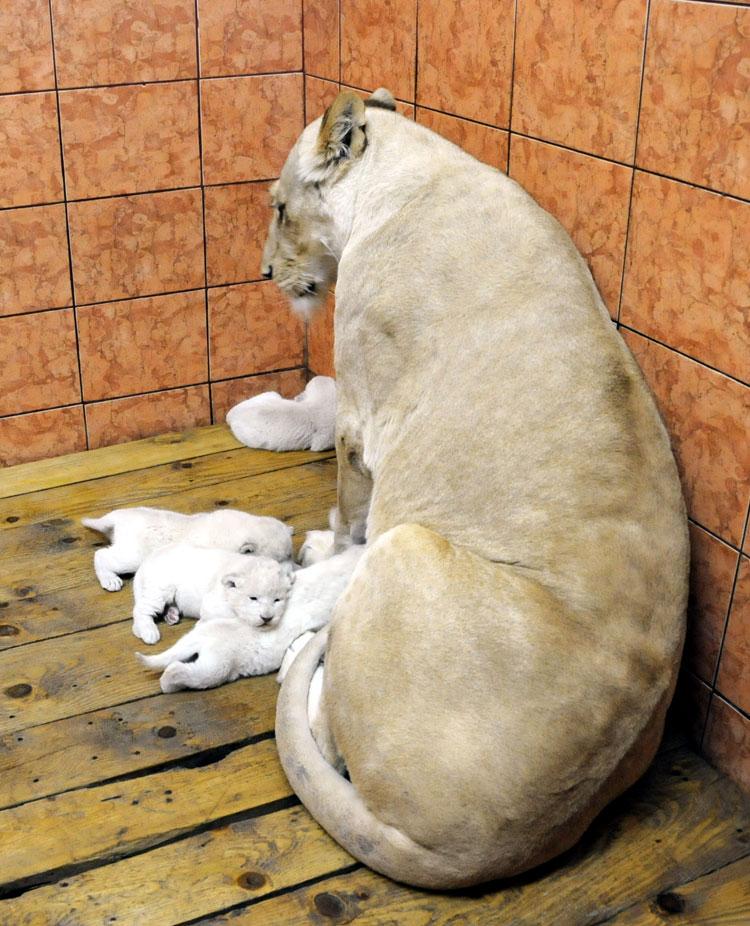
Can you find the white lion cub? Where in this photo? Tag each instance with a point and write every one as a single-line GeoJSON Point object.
{"type": "Point", "coordinates": [136, 532]}
{"type": "Point", "coordinates": [210, 584]}
{"type": "Point", "coordinates": [222, 649]}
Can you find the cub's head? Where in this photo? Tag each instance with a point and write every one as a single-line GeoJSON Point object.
{"type": "Point", "coordinates": [301, 252]}
{"type": "Point", "coordinates": [257, 594]}
{"type": "Point", "coordinates": [228, 529]}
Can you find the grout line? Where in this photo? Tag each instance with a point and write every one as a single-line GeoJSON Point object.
{"type": "Point", "coordinates": [727, 543]}
{"type": "Point", "coordinates": [416, 57]}
{"type": "Point", "coordinates": [635, 151]}
{"type": "Point", "coordinates": [150, 83]}
{"type": "Point", "coordinates": [305, 327]}
{"type": "Point", "coordinates": [714, 682]}
{"type": "Point", "coordinates": [681, 353]}
{"type": "Point", "coordinates": [203, 214]}
{"type": "Point", "coordinates": [146, 392]}
{"type": "Point", "coordinates": [340, 17]}
{"type": "Point", "coordinates": [67, 230]}
{"type": "Point", "coordinates": [512, 81]}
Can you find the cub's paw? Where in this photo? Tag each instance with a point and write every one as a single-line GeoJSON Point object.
{"type": "Point", "coordinates": [172, 615]}
{"type": "Point", "coordinates": [173, 678]}
{"type": "Point", "coordinates": [111, 582]}
{"type": "Point", "coordinates": [148, 632]}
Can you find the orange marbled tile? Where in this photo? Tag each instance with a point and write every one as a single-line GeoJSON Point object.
{"type": "Point", "coordinates": [378, 45]}
{"type": "Point", "coordinates": [588, 196]}
{"type": "Point", "coordinates": [130, 139]}
{"type": "Point", "coordinates": [406, 109]}
{"type": "Point", "coordinates": [578, 73]}
{"type": "Point", "coordinates": [229, 392]}
{"type": "Point", "coordinates": [252, 329]}
{"type": "Point", "coordinates": [727, 741]}
{"type": "Point", "coordinates": [39, 435]}
{"type": "Point", "coordinates": [465, 58]}
{"type": "Point", "coordinates": [26, 46]}
{"type": "Point", "coordinates": [123, 41]}
{"type": "Point", "coordinates": [237, 217]}
{"type": "Point", "coordinates": [319, 94]}
{"type": "Point", "coordinates": [250, 36]}
{"type": "Point", "coordinates": [481, 141]}
{"type": "Point", "coordinates": [38, 362]}
{"type": "Point", "coordinates": [136, 245]}
{"type": "Point", "coordinates": [695, 111]}
{"type": "Point", "coordinates": [687, 280]}
{"type": "Point", "coordinates": [712, 567]}
{"type": "Point", "coordinates": [734, 670]}
{"type": "Point", "coordinates": [118, 420]}
{"type": "Point", "coordinates": [320, 341]}
{"type": "Point", "coordinates": [141, 345]}
{"type": "Point", "coordinates": [30, 170]}
{"type": "Point", "coordinates": [249, 124]}
{"type": "Point", "coordinates": [34, 270]}
{"type": "Point", "coordinates": [708, 418]}
{"type": "Point", "coordinates": [322, 38]}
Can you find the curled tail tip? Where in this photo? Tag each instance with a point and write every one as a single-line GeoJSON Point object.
{"type": "Point", "coordinates": [147, 661]}
{"type": "Point", "coordinates": [102, 525]}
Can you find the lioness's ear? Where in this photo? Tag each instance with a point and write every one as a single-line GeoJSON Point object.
{"type": "Point", "coordinates": [382, 99]}
{"type": "Point", "coordinates": [342, 131]}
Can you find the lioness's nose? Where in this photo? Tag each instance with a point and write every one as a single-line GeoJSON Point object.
{"type": "Point", "coordinates": [267, 272]}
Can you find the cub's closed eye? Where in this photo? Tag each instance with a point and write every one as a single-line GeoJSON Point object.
{"type": "Point", "coordinates": [253, 598]}
{"type": "Point", "coordinates": [276, 600]}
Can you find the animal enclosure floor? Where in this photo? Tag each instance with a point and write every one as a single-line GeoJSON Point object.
{"type": "Point", "coordinates": [121, 805]}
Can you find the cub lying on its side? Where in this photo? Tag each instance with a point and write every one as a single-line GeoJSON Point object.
{"type": "Point", "coordinates": [210, 584]}
{"type": "Point", "coordinates": [270, 422]}
{"type": "Point", "coordinates": [225, 645]}
{"type": "Point", "coordinates": [136, 532]}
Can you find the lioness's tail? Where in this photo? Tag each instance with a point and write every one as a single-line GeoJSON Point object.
{"type": "Point", "coordinates": [335, 802]}
{"type": "Point", "coordinates": [104, 525]}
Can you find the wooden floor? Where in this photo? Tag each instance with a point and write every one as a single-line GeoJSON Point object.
{"type": "Point", "coordinates": [122, 805]}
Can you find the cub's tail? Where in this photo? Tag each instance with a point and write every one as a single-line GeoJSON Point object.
{"type": "Point", "coordinates": [104, 525]}
{"type": "Point", "coordinates": [335, 802]}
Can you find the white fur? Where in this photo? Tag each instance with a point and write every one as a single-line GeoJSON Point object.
{"type": "Point", "coordinates": [270, 422]}
{"type": "Point", "coordinates": [231, 647]}
{"type": "Point", "coordinates": [136, 532]}
{"type": "Point", "coordinates": [211, 584]}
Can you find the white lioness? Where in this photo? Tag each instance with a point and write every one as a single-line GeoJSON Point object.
{"type": "Point", "coordinates": [499, 667]}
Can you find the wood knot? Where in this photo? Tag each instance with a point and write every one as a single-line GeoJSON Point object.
{"type": "Point", "coordinates": [251, 880]}
{"type": "Point", "coordinates": [329, 905]}
{"type": "Point", "coordinates": [8, 630]}
{"type": "Point", "coordinates": [221, 503]}
{"type": "Point", "coordinates": [166, 732]}
{"type": "Point", "coordinates": [18, 691]}
{"type": "Point", "coordinates": [12, 519]}
{"type": "Point", "coordinates": [23, 591]}
{"type": "Point", "coordinates": [669, 902]}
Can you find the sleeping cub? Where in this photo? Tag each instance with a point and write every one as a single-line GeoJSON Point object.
{"type": "Point", "coordinates": [210, 584]}
{"type": "Point", "coordinates": [222, 649]}
{"type": "Point", "coordinates": [136, 532]}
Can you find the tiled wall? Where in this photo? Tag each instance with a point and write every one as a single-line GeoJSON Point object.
{"type": "Point", "coordinates": [630, 121]}
{"type": "Point", "coordinates": [136, 141]}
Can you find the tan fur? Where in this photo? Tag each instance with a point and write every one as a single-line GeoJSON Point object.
{"type": "Point", "coordinates": [500, 666]}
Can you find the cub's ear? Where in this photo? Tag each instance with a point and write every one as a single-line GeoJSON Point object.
{"type": "Point", "coordinates": [288, 571]}
{"type": "Point", "coordinates": [248, 548]}
{"type": "Point", "coordinates": [341, 138]}
{"type": "Point", "coordinates": [229, 581]}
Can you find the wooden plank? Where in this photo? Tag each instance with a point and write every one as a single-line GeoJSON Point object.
{"type": "Point", "coordinates": [113, 742]}
{"type": "Point", "coordinates": [43, 595]}
{"type": "Point", "coordinates": [120, 458]}
{"type": "Point", "coordinates": [75, 674]}
{"type": "Point", "coordinates": [187, 879]}
{"type": "Point", "coordinates": [126, 816]}
{"type": "Point", "coordinates": [721, 898]}
{"type": "Point", "coordinates": [680, 822]}
{"type": "Point", "coordinates": [62, 507]}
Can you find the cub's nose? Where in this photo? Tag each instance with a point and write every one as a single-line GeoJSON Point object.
{"type": "Point", "coordinates": [266, 618]}
{"type": "Point", "coordinates": [267, 272]}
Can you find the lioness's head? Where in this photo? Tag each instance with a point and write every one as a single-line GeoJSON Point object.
{"type": "Point", "coordinates": [301, 253]}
